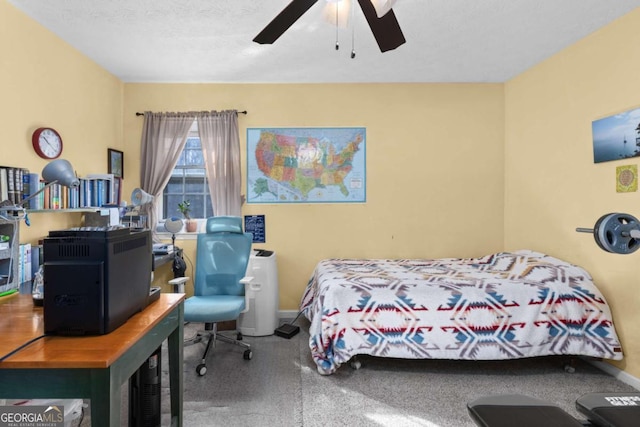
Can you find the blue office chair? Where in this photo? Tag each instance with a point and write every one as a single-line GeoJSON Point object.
{"type": "Point", "coordinates": [219, 286]}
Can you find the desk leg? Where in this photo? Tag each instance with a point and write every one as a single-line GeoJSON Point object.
{"type": "Point", "coordinates": [175, 343]}
{"type": "Point", "coordinates": [105, 399]}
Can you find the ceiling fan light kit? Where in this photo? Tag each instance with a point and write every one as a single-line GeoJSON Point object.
{"type": "Point", "coordinates": [378, 13]}
{"type": "Point", "coordinates": [383, 6]}
{"type": "Point", "coordinates": [336, 12]}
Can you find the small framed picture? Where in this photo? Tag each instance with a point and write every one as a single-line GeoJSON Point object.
{"type": "Point", "coordinates": [116, 162]}
{"type": "Point", "coordinates": [627, 178]}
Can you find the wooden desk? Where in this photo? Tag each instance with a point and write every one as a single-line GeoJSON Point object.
{"type": "Point", "coordinates": [93, 367]}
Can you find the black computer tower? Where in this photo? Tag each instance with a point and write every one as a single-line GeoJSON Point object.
{"type": "Point", "coordinates": [94, 280]}
{"type": "Point", "coordinates": [145, 386]}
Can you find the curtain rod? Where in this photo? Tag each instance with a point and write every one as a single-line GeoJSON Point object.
{"type": "Point", "coordinates": [239, 112]}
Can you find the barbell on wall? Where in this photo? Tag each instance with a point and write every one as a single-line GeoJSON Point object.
{"type": "Point", "coordinates": [618, 233]}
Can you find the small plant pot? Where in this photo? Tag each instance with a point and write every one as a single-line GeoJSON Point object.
{"type": "Point", "coordinates": [191, 225]}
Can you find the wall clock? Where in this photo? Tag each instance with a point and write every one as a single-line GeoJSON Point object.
{"type": "Point", "coordinates": [47, 143]}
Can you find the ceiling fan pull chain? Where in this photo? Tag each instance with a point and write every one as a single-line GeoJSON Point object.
{"type": "Point", "coordinates": [353, 32]}
{"type": "Point", "coordinates": [337, 27]}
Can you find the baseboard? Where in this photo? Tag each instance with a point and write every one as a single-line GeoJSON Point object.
{"type": "Point", "coordinates": [287, 315]}
{"type": "Point", "coordinates": [617, 373]}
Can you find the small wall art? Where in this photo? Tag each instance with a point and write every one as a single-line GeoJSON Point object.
{"type": "Point", "coordinates": [627, 178]}
{"type": "Point", "coordinates": [616, 137]}
{"type": "Point", "coordinates": [115, 161]}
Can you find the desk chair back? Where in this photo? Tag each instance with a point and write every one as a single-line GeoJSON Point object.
{"type": "Point", "coordinates": [221, 262]}
{"type": "Point", "coordinates": [222, 257]}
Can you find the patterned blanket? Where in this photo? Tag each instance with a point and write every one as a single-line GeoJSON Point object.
{"type": "Point", "coordinates": [500, 306]}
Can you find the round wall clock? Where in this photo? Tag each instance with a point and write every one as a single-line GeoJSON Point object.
{"type": "Point", "coordinates": [47, 143]}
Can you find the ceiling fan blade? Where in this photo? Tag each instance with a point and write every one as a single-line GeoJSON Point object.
{"type": "Point", "coordinates": [283, 21]}
{"type": "Point", "coordinates": [385, 29]}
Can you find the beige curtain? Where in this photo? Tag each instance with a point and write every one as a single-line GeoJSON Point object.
{"type": "Point", "coordinates": [163, 138]}
{"type": "Point", "coordinates": [221, 149]}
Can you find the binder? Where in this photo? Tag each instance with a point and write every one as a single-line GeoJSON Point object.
{"type": "Point", "coordinates": [4, 184]}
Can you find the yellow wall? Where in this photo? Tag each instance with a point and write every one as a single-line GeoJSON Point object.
{"type": "Point", "coordinates": [434, 157]}
{"type": "Point", "coordinates": [452, 169]}
{"type": "Point", "coordinates": [552, 184]}
{"type": "Point", "coordinates": [45, 82]}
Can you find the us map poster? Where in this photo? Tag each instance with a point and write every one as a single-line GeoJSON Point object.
{"type": "Point", "coordinates": [306, 165]}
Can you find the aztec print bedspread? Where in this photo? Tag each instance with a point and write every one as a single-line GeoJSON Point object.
{"type": "Point", "coordinates": [500, 306]}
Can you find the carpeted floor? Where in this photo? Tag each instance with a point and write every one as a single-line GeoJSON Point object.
{"type": "Point", "coordinates": [281, 387]}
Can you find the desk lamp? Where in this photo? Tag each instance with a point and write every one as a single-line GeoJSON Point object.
{"type": "Point", "coordinates": [139, 198]}
{"type": "Point", "coordinates": [58, 171]}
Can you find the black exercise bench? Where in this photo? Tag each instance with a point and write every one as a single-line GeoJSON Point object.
{"type": "Point", "coordinates": [601, 410]}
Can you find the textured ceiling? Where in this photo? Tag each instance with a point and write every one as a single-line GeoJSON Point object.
{"type": "Point", "coordinates": [211, 40]}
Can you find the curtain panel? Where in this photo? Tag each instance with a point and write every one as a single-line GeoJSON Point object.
{"type": "Point", "coordinates": [221, 149]}
{"type": "Point", "coordinates": [164, 136]}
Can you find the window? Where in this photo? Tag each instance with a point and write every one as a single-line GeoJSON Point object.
{"type": "Point", "coordinates": [188, 181]}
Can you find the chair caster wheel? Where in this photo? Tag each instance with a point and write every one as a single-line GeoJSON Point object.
{"type": "Point", "coordinates": [201, 369]}
{"type": "Point", "coordinates": [239, 336]}
{"type": "Point", "coordinates": [248, 355]}
{"type": "Point", "coordinates": [355, 364]}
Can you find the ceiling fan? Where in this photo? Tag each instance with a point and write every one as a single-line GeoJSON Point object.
{"type": "Point", "coordinates": [380, 17]}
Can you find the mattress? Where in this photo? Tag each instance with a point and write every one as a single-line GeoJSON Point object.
{"type": "Point", "coordinates": [505, 305]}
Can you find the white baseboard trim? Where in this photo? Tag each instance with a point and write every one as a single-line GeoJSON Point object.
{"type": "Point", "coordinates": [287, 314]}
{"type": "Point", "coordinates": [617, 373]}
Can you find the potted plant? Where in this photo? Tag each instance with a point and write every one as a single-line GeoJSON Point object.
{"type": "Point", "coordinates": [185, 207]}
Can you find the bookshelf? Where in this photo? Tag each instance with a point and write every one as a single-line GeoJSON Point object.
{"type": "Point", "coordinates": [79, 210]}
{"type": "Point", "coordinates": [94, 191]}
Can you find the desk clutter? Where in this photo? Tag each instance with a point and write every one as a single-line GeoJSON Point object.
{"type": "Point", "coordinates": [162, 249]}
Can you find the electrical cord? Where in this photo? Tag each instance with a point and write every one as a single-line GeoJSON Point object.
{"type": "Point", "coordinates": [297, 317]}
{"type": "Point", "coordinates": [14, 351]}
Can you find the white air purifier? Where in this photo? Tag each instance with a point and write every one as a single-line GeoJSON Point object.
{"type": "Point", "coordinates": [262, 317]}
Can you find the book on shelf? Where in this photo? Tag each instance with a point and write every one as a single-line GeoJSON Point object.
{"type": "Point", "coordinates": [9, 183]}
{"type": "Point", "coordinates": [32, 186]}
{"type": "Point", "coordinates": [4, 184]}
{"type": "Point", "coordinates": [12, 184]}
{"type": "Point", "coordinates": [24, 263]}
{"type": "Point", "coordinates": [54, 193]}
{"type": "Point", "coordinates": [13, 189]}
{"type": "Point", "coordinates": [23, 185]}
{"type": "Point", "coordinates": [101, 189]}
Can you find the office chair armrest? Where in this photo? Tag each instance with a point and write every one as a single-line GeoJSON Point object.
{"type": "Point", "coordinates": [178, 284]}
{"type": "Point", "coordinates": [246, 281]}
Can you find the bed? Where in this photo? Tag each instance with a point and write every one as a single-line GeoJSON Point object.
{"type": "Point", "coordinates": [506, 305]}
